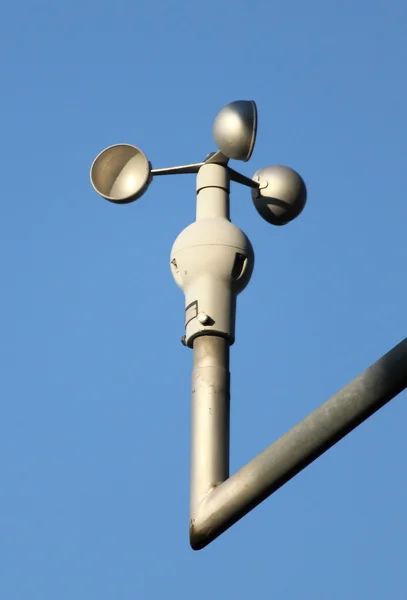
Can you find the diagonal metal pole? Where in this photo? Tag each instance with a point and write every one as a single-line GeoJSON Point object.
{"type": "Point", "coordinates": [217, 502]}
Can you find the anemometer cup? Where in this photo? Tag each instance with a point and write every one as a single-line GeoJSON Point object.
{"type": "Point", "coordinates": [121, 173]}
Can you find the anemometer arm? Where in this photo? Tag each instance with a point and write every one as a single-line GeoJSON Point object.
{"type": "Point", "coordinates": [194, 168]}
{"type": "Point", "coordinates": [217, 502]}
{"type": "Point", "coordinates": [242, 179]}
{"type": "Point", "coordinates": [181, 170]}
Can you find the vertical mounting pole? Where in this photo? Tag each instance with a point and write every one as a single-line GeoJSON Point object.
{"type": "Point", "coordinates": [209, 416]}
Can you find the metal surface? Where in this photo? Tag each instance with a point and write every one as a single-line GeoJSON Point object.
{"type": "Point", "coordinates": [217, 157]}
{"type": "Point", "coordinates": [211, 260]}
{"type": "Point", "coordinates": [242, 179]}
{"type": "Point", "coordinates": [121, 173]}
{"type": "Point", "coordinates": [181, 170]}
{"type": "Point", "coordinates": [220, 507]}
{"type": "Point", "coordinates": [235, 129]}
{"type": "Point", "coordinates": [212, 192]}
{"type": "Point", "coordinates": [281, 194]}
{"type": "Point", "coordinates": [209, 416]}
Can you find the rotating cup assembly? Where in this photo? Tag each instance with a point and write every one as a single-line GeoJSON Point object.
{"type": "Point", "coordinates": [212, 259]}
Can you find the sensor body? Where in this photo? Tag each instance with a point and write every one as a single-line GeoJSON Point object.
{"type": "Point", "coordinates": [211, 260]}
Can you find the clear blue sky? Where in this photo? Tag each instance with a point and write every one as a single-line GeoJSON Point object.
{"type": "Point", "coordinates": [95, 385]}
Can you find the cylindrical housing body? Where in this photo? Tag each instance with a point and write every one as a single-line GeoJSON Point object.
{"type": "Point", "coordinates": [212, 192]}
{"type": "Point", "coordinates": [211, 260]}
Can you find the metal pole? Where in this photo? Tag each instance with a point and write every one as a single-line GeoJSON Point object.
{"type": "Point", "coordinates": [225, 504]}
{"type": "Point", "coordinates": [210, 416]}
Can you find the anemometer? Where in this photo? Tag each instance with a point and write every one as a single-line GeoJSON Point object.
{"type": "Point", "coordinates": [212, 261]}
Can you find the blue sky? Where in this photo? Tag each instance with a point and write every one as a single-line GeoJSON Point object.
{"type": "Point", "coordinates": [94, 425]}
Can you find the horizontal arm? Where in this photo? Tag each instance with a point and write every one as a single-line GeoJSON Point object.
{"type": "Point", "coordinates": [242, 179]}
{"type": "Point", "coordinates": [194, 168]}
{"type": "Point", "coordinates": [224, 504]}
{"type": "Point", "coordinates": [180, 170]}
